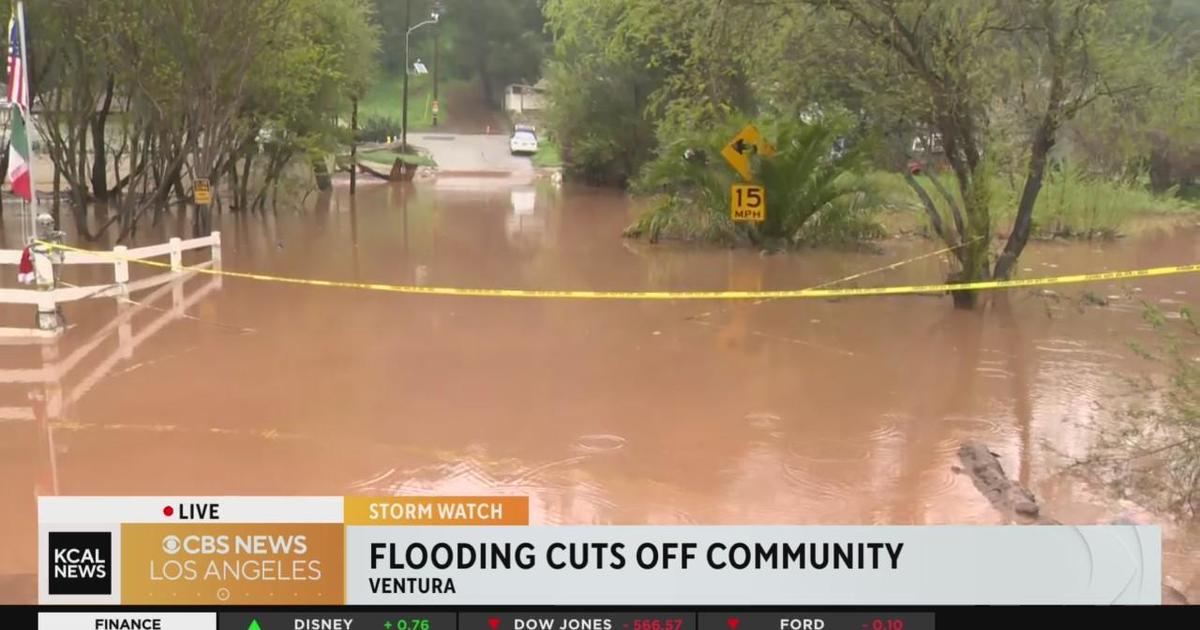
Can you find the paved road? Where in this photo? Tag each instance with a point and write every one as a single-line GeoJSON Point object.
{"type": "Point", "coordinates": [471, 153]}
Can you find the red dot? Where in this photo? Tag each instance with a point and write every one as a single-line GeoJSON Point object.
{"type": "Point", "coordinates": [167, 511]}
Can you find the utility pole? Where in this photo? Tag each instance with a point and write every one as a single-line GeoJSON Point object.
{"type": "Point", "coordinates": [353, 144]}
{"type": "Point", "coordinates": [404, 106]}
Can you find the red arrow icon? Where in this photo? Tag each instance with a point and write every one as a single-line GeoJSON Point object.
{"type": "Point", "coordinates": [733, 622]}
{"type": "Point", "coordinates": [493, 622]}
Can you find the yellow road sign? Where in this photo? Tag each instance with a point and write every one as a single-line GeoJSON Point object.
{"type": "Point", "coordinates": [747, 202]}
{"type": "Point", "coordinates": [202, 193]}
{"type": "Point", "coordinates": [747, 142]}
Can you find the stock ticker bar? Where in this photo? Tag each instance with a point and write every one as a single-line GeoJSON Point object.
{"type": "Point", "coordinates": [520, 620]}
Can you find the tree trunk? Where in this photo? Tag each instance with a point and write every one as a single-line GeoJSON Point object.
{"type": "Point", "coordinates": [321, 172]}
{"type": "Point", "coordinates": [55, 204]}
{"type": "Point", "coordinates": [931, 211]}
{"type": "Point", "coordinates": [1160, 170]}
{"type": "Point", "coordinates": [243, 193]}
{"type": "Point", "coordinates": [354, 131]}
{"type": "Point", "coordinates": [99, 152]}
{"type": "Point", "coordinates": [1022, 225]}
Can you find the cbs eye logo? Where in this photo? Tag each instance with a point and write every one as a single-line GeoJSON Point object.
{"type": "Point", "coordinates": [171, 545]}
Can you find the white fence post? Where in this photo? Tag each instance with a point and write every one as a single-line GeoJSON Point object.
{"type": "Point", "coordinates": [121, 264]}
{"type": "Point", "coordinates": [176, 254]}
{"type": "Point", "coordinates": [216, 250]}
{"type": "Point", "coordinates": [177, 300]}
{"type": "Point", "coordinates": [125, 330]}
{"type": "Point", "coordinates": [47, 316]}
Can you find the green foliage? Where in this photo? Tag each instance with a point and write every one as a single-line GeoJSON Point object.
{"type": "Point", "coordinates": [388, 157]}
{"type": "Point", "coordinates": [323, 56]}
{"type": "Point", "coordinates": [385, 98]}
{"type": "Point", "coordinates": [1074, 204]}
{"type": "Point", "coordinates": [813, 193]}
{"type": "Point", "coordinates": [378, 129]}
{"type": "Point", "coordinates": [1152, 447]}
{"type": "Point", "coordinates": [496, 41]}
{"type": "Point", "coordinates": [203, 87]}
{"type": "Point", "coordinates": [598, 92]}
{"type": "Point", "coordinates": [548, 155]}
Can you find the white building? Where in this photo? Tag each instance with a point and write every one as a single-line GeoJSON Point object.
{"type": "Point", "coordinates": [520, 98]}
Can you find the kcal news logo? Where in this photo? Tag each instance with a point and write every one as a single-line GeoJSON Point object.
{"type": "Point", "coordinates": [80, 563]}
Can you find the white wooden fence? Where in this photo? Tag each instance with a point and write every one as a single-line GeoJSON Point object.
{"type": "Point", "coordinates": [54, 382]}
{"type": "Point", "coordinates": [48, 300]}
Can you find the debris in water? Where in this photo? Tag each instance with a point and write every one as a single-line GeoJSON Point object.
{"type": "Point", "coordinates": [656, 333]}
{"type": "Point", "coordinates": [1009, 497]}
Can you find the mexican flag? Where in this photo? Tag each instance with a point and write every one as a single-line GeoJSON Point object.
{"type": "Point", "coordinates": [18, 157]}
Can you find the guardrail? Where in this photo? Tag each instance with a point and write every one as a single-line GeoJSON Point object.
{"type": "Point", "coordinates": [48, 300]}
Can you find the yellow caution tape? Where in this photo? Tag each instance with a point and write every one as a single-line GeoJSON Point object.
{"type": "Point", "coordinates": [896, 265]}
{"type": "Point", "coordinates": [675, 295]}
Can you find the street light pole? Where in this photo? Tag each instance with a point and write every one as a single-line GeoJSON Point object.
{"type": "Point", "coordinates": [433, 19]}
{"type": "Point", "coordinates": [404, 105]}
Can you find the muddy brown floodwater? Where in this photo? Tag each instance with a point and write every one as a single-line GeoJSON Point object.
{"type": "Point", "coordinates": [792, 411]}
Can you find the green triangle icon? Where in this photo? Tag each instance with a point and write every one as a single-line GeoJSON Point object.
{"type": "Point", "coordinates": [253, 625]}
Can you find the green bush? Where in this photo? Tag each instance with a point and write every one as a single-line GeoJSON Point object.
{"type": "Point", "coordinates": [1073, 204]}
{"type": "Point", "coordinates": [812, 192]}
{"type": "Point", "coordinates": [378, 129]}
{"type": "Point", "coordinates": [1150, 448]}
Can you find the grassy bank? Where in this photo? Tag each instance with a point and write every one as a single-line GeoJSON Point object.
{"type": "Point", "coordinates": [1071, 204]}
{"type": "Point", "coordinates": [548, 155]}
{"type": "Point", "coordinates": [388, 157]}
{"type": "Point", "coordinates": [876, 203]}
{"type": "Point", "coordinates": [385, 98]}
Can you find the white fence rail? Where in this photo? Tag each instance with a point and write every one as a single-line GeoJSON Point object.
{"type": "Point", "coordinates": [47, 300]}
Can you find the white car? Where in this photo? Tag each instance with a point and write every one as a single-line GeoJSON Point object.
{"type": "Point", "coordinates": [523, 141]}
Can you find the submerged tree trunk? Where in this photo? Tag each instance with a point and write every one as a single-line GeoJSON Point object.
{"type": "Point", "coordinates": [321, 172]}
{"type": "Point", "coordinates": [99, 152]}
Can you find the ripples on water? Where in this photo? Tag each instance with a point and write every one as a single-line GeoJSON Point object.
{"type": "Point", "coordinates": [802, 411]}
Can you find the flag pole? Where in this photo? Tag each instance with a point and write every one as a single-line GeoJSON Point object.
{"type": "Point", "coordinates": [28, 136]}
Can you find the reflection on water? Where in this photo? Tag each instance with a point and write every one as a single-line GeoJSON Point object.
{"type": "Point", "coordinates": [801, 411]}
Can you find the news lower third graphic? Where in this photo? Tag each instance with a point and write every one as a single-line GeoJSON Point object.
{"type": "Point", "coordinates": [482, 551]}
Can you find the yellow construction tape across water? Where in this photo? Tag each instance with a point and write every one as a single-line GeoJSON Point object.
{"type": "Point", "coordinates": [675, 295]}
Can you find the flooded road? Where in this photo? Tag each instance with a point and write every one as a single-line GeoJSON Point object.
{"type": "Point", "coordinates": [652, 412]}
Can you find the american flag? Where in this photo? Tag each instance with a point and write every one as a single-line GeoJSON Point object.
{"type": "Point", "coordinates": [17, 93]}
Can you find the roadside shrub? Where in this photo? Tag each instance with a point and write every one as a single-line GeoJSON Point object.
{"type": "Point", "coordinates": [813, 193]}
{"type": "Point", "coordinates": [1151, 447]}
{"type": "Point", "coordinates": [378, 129]}
{"type": "Point", "coordinates": [1073, 204]}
